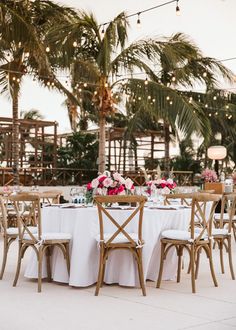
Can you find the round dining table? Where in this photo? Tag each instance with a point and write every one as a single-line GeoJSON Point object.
{"type": "Point", "coordinates": [82, 223]}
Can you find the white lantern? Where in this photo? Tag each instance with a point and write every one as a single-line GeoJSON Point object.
{"type": "Point", "coordinates": [216, 152]}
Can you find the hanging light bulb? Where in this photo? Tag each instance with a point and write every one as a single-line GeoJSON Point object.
{"type": "Point", "coordinates": [106, 84]}
{"type": "Point", "coordinates": [171, 102]}
{"type": "Point", "coordinates": [204, 74]}
{"type": "Point", "coordinates": [214, 98]}
{"type": "Point", "coordinates": [173, 78]}
{"type": "Point", "coordinates": [47, 49]}
{"type": "Point", "coordinates": [177, 9]}
{"type": "Point", "coordinates": [85, 84]}
{"type": "Point", "coordinates": [75, 44]}
{"type": "Point", "coordinates": [139, 21]}
{"type": "Point", "coordinates": [167, 98]}
{"type": "Point", "coordinates": [146, 82]}
{"type": "Point", "coordinates": [103, 30]}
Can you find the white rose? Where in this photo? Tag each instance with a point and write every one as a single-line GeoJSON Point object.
{"type": "Point", "coordinates": [99, 191]}
{"type": "Point", "coordinates": [165, 191]}
{"type": "Point", "coordinates": [128, 184]}
{"type": "Point", "coordinates": [95, 183]}
{"type": "Point", "coordinates": [107, 182]}
{"type": "Point", "coordinates": [170, 181]}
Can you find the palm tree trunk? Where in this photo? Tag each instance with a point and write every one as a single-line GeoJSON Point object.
{"type": "Point", "coordinates": [15, 136]}
{"type": "Point", "coordinates": [102, 143]}
{"type": "Point", "coordinates": [167, 147]}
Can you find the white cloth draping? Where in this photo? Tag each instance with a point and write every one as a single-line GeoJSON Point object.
{"type": "Point", "coordinates": [83, 225]}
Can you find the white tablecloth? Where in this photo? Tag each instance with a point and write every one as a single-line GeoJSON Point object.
{"type": "Point", "coordinates": [121, 268]}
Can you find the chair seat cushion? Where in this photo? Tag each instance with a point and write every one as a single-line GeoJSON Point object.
{"type": "Point", "coordinates": [225, 217]}
{"type": "Point", "coordinates": [50, 236]}
{"type": "Point", "coordinates": [14, 230]}
{"type": "Point", "coordinates": [181, 235]}
{"type": "Point", "coordinates": [220, 232]}
{"type": "Point", "coordinates": [120, 238]}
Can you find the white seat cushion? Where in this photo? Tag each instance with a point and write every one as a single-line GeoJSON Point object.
{"type": "Point", "coordinates": [219, 232]}
{"type": "Point", "coordinates": [14, 230]}
{"type": "Point", "coordinates": [50, 236]}
{"type": "Point", "coordinates": [120, 238]}
{"type": "Point", "coordinates": [182, 235]}
{"type": "Point", "coordinates": [225, 216]}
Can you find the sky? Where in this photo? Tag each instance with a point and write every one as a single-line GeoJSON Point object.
{"type": "Point", "coordinates": [209, 23]}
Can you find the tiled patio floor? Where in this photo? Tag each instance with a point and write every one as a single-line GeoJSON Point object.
{"type": "Point", "coordinates": [172, 307]}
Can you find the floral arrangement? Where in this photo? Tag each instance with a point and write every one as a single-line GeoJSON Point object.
{"type": "Point", "coordinates": [234, 177]}
{"type": "Point", "coordinates": [166, 186]}
{"type": "Point", "coordinates": [209, 175]}
{"type": "Point", "coordinates": [107, 184]}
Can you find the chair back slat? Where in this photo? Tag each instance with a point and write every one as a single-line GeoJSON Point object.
{"type": "Point", "coordinates": [3, 215]}
{"type": "Point", "coordinates": [199, 203]}
{"type": "Point", "coordinates": [228, 204]}
{"type": "Point", "coordinates": [30, 212]}
{"type": "Point", "coordinates": [120, 228]}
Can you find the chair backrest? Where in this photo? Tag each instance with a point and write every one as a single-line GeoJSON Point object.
{"type": "Point", "coordinates": [228, 204]}
{"type": "Point", "coordinates": [184, 198]}
{"type": "Point", "coordinates": [199, 202]}
{"type": "Point", "coordinates": [3, 215]}
{"type": "Point", "coordinates": [29, 213]}
{"type": "Point", "coordinates": [101, 201]}
{"type": "Point", "coordinates": [51, 196]}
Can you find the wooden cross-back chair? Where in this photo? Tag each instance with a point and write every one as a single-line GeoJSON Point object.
{"type": "Point", "coordinates": [40, 242]}
{"type": "Point", "coordinates": [51, 196]}
{"type": "Point", "coordinates": [221, 219]}
{"type": "Point", "coordinates": [192, 240]}
{"type": "Point", "coordinates": [222, 232]}
{"type": "Point", "coordinates": [186, 199]}
{"type": "Point", "coordinates": [120, 238]}
{"type": "Point", "coordinates": [10, 234]}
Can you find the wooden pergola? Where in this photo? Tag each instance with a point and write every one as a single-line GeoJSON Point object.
{"type": "Point", "coordinates": [34, 142]}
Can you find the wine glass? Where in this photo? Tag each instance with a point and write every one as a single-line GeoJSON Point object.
{"type": "Point", "coordinates": [72, 194]}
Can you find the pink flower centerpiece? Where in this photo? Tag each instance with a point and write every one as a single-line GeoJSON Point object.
{"type": "Point", "coordinates": [166, 186]}
{"type": "Point", "coordinates": [107, 184]}
{"type": "Point", "coordinates": [209, 175]}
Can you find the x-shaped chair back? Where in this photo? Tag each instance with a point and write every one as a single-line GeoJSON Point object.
{"type": "Point", "coordinates": [30, 210]}
{"type": "Point", "coordinates": [185, 198]}
{"type": "Point", "coordinates": [50, 196]}
{"type": "Point", "coordinates": [199, 202]}
{"type": "Point", "coordinates": [228, 203]}
{"type": "Point", "coordinates": [3, 215]}
{"type": "Point", "coordinates": [121, 228]}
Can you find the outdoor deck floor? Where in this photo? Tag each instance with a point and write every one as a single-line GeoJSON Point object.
{"type": "Point", "coordinates": [172, 307]}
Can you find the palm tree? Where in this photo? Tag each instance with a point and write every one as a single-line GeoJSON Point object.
{"type": "Point", "coordinates": [97, 60]}
{"type": "Point", "coordinates": [23, 25]}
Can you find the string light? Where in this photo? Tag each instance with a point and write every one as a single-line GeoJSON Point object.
{"type": "Point", "coordinates": [139, 21]}
{"type": "Point", "coordinates": [177, 9]}
{"type": "Point", "coordinates": [205, 74]}
{"type": "Point", "coordinates": [47, 49]}
{"type": "Point", "coordinates": [75, 44]}
{"type": "Point", "coordinates": [106, 84]}
{"type": "Point", "coordinates": [103, 30]}
{"type": "Point", "coordinates": [85, 84]}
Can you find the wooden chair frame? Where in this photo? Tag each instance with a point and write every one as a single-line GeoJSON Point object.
{"type": "Point", "coordinates": [225, 241]}
{"type": "Point", "coordinates": [107, 246]}
{"type": "Point", "coordinates": [34, 240]}
{"type": "Point", "coordinates": [197, 241]}
{"type": "Point", "coordinates": [8, 238]}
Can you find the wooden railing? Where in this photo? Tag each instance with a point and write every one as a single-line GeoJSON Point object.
{"type": "Point", "coordinates": [72, 176]}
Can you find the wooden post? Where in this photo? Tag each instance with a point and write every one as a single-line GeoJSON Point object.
{"type": "Point", "coordinates": [55, 146]}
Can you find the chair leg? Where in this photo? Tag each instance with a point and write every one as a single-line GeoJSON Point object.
{"type": "Point", "coordinates": [4, 260]}
{"type": "Point", "coordinates": [48, 259]}
{"type": "Point", "coordinates": [211, 265]}
{"type": "Point", "coordinates": [67, 246]}
{"type": "Point", "coordinates": [140, 271]}
{"type": "Point", "coordinates": [230, 258]}
{"type": "Point", "coordinates": [192, 262]}
{"type": "Point", "coordinates": [163, 245]}
{"type": "Point", "coordinates": [197, 263]}
{"type": "Point", "coordinates": [180, 254]}
{"type": "Point", "coordinates": [40, 261]}
{"type": "Point", "coordinates": [100, 272]}
{"type": "Point", "coordinates": [20, 250]}
{"type": "Point", "coordinates": [234, 230]}
{"type": "Point", "coordinates": [221, 256]}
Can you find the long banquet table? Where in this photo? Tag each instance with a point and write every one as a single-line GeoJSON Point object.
{"type": "Point", "coordinates": [83, 225]}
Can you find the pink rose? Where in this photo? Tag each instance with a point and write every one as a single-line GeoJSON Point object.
{"type": "Point", "coordinates": [108, 182]}
{"type": "Point", "coordinates": [89, 186]}
{"type": "Point", "coordinates": [95, 183]}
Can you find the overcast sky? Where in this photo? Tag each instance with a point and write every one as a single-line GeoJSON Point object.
{"type": "Point", "coordinates": [211, 25]}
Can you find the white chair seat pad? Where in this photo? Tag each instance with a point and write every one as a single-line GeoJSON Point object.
{"type": "Point", "coordinates": [220, 231]}
{"type": "Point", "coordinates": [14, 230]}
{"type": "Point", "coordinates": [182, 235]}
{"type": "Point", "coordinates": [225, 216]}
{"type": "Point", "coordinates": [120, 238]}
{"type": "Point", "coordinates": [50, 236]}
